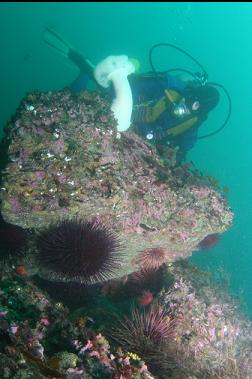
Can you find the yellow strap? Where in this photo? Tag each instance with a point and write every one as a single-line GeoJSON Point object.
{"type": "Point", "coordinates": [172, 95]}
{"type": "Point", "coordinates": [154, 112]}
{"type": "Point", "coordinates": [183, 127]}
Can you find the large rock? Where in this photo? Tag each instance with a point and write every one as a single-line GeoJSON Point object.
{"type": "Point", "coordinates": [66, 159]}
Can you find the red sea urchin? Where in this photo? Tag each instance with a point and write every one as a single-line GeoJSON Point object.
{"type": "Point", "coordinates": [209, 241]}
{"type": "Point", "coordinates": [153, 325]}
{"type": "Point", "coordinates": [78, 251]}
{"type": "Point", "coordinates": [152, 259]}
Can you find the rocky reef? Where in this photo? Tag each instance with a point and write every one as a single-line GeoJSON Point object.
{"type": "Point", "coordinates": [191, 328]}
{"type": "Point", "coordinates": [66, 159]}
{"type": "Point", "coordinates": [40, 339]}
{"type": "Point", "coordinates": [96, 227]}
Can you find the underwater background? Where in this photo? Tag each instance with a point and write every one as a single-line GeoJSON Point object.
{"type": "Point", "coordinates": [219, 35]}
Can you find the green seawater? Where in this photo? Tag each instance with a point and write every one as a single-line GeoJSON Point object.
{"type": "Point", "coordinates": [219, 35]}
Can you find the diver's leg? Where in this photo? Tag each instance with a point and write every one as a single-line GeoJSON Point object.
{"type": "Point", "coordinates": [80, 83]}
{"type": "Point", "coordinates": [54, 40]}
{"type": "Point", "coordinates": [84, 64]}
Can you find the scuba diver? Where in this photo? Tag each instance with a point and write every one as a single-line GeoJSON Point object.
{"type": "Point", "coordinates": [169, 111]}
{"type": "Point", "coordinates": [162, 108]}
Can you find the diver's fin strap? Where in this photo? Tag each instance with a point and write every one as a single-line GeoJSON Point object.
{"type": "Point", "coordinates": [183, 127]}
{"type": "Point", "coordinates": [154, 112]}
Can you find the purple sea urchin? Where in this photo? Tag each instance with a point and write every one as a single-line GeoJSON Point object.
{"type": "Point", "coordinates": [78, 251]}
{"type": "Point", "coordinates": [149, 334]}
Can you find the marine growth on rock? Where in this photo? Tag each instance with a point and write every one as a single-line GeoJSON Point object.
{"type": "Point", "coordinates": [65, 159]}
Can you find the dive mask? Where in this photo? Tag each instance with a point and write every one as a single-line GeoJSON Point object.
{"type": "Point", "coordinates": [181, 109]}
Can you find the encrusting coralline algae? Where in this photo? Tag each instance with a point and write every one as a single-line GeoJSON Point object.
{"type": "Point", "coordinates": [67, 169]}
{"type": "Point", "coordinates": [66, 159]}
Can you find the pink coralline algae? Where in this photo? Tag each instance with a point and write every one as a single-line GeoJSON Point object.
{"type": "Point", "coordinates": [78, 165]}
{"type": "Point", "coordinates": [201, 192]}
{"type": "Point", "coordinates": [213, 339]}
{"type": "Point", "coordinates": [33, 347]}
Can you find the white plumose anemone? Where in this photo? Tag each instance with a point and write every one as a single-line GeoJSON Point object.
{"type": "Point", "coordinates": [116, 69]}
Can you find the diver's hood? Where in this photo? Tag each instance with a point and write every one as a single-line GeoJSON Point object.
{"type": "Point", "coordinates": [207, 96]}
